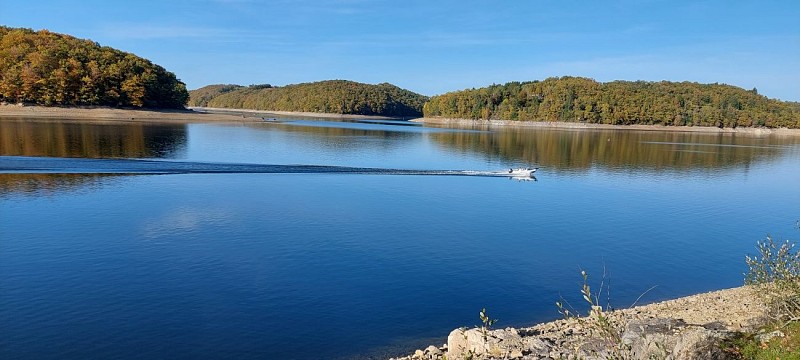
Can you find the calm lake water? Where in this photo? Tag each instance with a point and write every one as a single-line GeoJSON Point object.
{"type": "Point", "coordinates": [317, 266]}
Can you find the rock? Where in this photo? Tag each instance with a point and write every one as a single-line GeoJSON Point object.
{"type": "Point", "coordinates": [432, 353]}
{"type": "Point", "coordinates": [697, 343]}
{"type": "Point", "coordinates": [640, 328]}
{"type": "Point", "coordinates": [651, 338]}
{"type": "Point", "coordinates": [536, 346]}
{"type": "Point", "coordinates": [765, 338]}
{"type": "Point", "coordinates": [515, 354]}
{"type": "Point", "coordinates": [659, 330]}
{"type": "Point", "coordinates": [432, 350]}
{"type": "Point", "coordinates": [494, 343]}
{"type": "Point", "coordinates": [673, 339]}
{"type": "Point", "coordinates": [418, 355]}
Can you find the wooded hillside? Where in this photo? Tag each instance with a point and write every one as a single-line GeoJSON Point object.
{"type": "Point", "coordinates": [201, 97]}
{"type": "Point", "coordinates": [575, 99]}
{"type": "Point", "coordinates": [46, 68]}
{"type": "Point", "coordinates": [332, 96]}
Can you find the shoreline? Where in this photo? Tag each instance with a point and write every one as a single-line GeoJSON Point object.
{"type": "Point", "coordinates": [108, 114]}
{"type": "Point", "coordinates": [188, 115]}
{"type": "Point", "coordinates": [729, 309]}
{"type": "Point", "coordinates": [211, 110]}
{"type": "Point", "coordinates": [226, 115]}
{"type": "Point", "coordinates": [487, 124]}
{"type": "Point", "coordinates": [666, 326]}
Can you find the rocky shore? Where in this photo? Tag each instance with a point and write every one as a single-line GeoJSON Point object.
{"type": "Point", "coordinates": [692, 327]}
{"type": "Point", "coordinates": [487, 124]}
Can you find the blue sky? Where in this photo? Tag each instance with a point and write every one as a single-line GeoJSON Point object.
{"type": "Point", "coordinates": [432, 47]}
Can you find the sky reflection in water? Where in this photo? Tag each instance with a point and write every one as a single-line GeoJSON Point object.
{"type": "Point", "coordinates": [327, 265]}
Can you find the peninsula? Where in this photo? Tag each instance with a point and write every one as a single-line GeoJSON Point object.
{"type": "Point", "coordinates": [586, 101]}
{"type": "Point", "coordinates": [51, 69]}
{"type": "Point", "coordinates": [331, 96]}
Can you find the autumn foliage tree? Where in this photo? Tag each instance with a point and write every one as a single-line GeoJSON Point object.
{"type": "Point", "coordinates": [330, 96]}
{"type": "Point", "coordinates": [201, 96]}
{"type": "Point", "coordinates": [46, 68]}
{"type": "Point", "coordinates": [576, 99]}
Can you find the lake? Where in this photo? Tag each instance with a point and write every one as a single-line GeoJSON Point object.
{"type": "Point", "coordinates": [343, 265]}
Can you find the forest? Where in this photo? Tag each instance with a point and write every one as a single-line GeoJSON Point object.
{"type": "Point", "coordinates": [46, 68]}
{"type": "Point", "coordinates": [331, 96]}
{"type": "Point", "coordinates": [200, 97]}
{"type": "Point", "coordinates": [576, 99]}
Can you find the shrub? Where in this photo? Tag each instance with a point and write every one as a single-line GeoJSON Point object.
{"type": "Point", "coordinates": [776, 268]}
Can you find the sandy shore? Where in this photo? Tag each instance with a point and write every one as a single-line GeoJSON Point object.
{"type": "Point", "coordinates": [287, 113]}
{"type": "Point", "coordinates": [106, 114]}
{"type": "Point", "coordinates": [487, 124]}
{"type": "Point", "coordinates": [190, 115]}
{"type": "Point", "coordinates": [202, 115]}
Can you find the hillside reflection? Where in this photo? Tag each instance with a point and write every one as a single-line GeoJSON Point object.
{"type": "Point", "coordinates": [584, 149]}
{"type": "Point", "coordinates": [50, 184]}
{"type": "Point", "coordinates": [350, 131]}
{"type": "Point", "coordinates": [91, 140]}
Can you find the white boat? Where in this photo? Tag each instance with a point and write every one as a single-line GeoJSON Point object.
{"type": "Point", "coordinates": [522, 172]}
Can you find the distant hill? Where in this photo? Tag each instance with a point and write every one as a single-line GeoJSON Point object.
{"type": "Point", "coordinates": [201, 97]}
{"type": "Point", "coordinates": [575, 99]}
{"type": "Point", "coordinates": [332, 96]}
{"type": "Point", "coordinates": [46, 68]}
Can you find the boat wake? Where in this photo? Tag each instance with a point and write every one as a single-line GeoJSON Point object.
{"type": "Point", "coordinates": [52, 165]}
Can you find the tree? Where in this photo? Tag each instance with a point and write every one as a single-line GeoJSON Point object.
{"type": "Point", "coordinates": [337, 96]}
{"type": "Point", "coordinates": [54, 69]}
{"type": "Point", "coordinates": [618, 102]}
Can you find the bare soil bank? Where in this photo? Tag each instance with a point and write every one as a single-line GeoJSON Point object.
{"type": "Point", "coordinates": [106, 114]}
{"type": "Point", "coordinates": [190, 115]}
{"type": "Point", "coordinates": [288, 113]}
{"type": "Point", "coordinates": [567, 125]}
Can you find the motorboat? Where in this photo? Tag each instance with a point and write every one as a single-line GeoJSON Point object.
{"type": "Point", "coordinates": [522, 172]}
